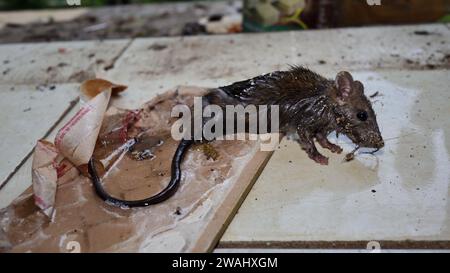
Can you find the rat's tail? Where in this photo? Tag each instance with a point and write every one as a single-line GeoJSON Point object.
{"type": "Point", "coordinates": [161, 196]}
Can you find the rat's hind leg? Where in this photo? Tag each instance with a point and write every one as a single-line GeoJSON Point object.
{"type": "Point", "coordinates": [306, 141]}
{"type": "Point", "coordinates": [325, 143]}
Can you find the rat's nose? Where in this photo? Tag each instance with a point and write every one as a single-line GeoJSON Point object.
{"type": "Point", "coordinates": [375, 140]}
{"type": "Point", "coordinates": [380, 144]}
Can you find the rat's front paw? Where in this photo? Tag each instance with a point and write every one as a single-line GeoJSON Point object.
{"type": "Point", "coordinates": [322, 160]}
{"type": "Point", "coordinates": [336, 149]}
{"type": "Point", "coordinates": [323, 141]}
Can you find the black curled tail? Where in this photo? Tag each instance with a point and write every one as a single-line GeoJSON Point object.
{"type": "Point", "coordinates": [167, 192]}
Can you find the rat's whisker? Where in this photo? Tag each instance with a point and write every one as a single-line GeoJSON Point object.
{"type": "Point", "coordinates": [397, 137]}
{"type": "Point", "coordinates": [372, 152]}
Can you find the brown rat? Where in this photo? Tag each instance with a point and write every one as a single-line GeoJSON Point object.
{"type": "Point", "coordinates": [309, 105]}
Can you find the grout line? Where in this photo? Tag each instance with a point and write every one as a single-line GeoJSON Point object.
{"type": "Point", "coordinates": [119, 55]}
{"type": "Point", "coordinates": [345, 244]}
{"type": "Point", "coordinates": [63, 115]}
{"type": "Point", "coordinates": [72, 104]}
{"type": "Point", "coordinates": [327, 250]}
{"type": "Point", "coordinates": [16, 169]}
{"type": "Point", "coordinates": [49, 131]}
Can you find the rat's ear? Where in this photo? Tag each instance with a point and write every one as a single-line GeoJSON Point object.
{"type": "Point", "coordinates": [358, 87]}
{"type": "Point", "coordinates": [344, 84]}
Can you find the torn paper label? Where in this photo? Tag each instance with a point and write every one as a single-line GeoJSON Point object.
{"type": "Point", "coordinates": [76, 140]}
{"type": "Point", "coordinates": [74, 144]}
{"type": "Point", "coordinates": [49, 169]}
{"type": "Point", "coordinates": [44, 176]}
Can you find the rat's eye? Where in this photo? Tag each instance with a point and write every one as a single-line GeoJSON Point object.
{"type": "Point", "coordinates": [362, 115]}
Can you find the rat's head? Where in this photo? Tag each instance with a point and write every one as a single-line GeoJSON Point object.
{"type": "Point", "coordinates": [354, 114]}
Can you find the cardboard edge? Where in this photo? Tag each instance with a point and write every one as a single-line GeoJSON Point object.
{"type": "Point", "coordinates": [214, 230]}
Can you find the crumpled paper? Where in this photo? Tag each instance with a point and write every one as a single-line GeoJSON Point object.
{"type": "Point", "coordinates": [74, 144]}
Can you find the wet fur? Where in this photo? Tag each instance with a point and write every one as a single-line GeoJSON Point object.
{"type": "Point", "coordinates": [310, 105]}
